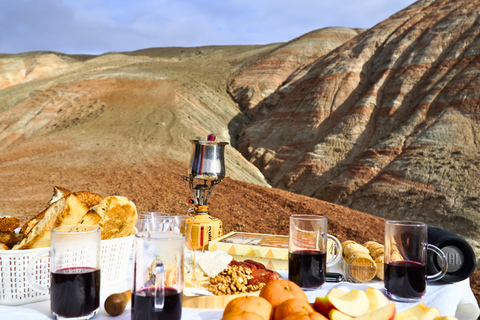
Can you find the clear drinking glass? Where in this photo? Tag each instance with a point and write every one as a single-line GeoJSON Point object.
{"type": "Point", "coordinates": [307, 251]}
{"type": "Point", "coordinates": [74, 272]}
{"type": "Point", "coordinates": [146, 221]}
{"type": "Point", "coordinates": [158, 275]}
{"type": "Point", "coordinates": [161, 221]}
{"type": "Point", "coordinates": [406, 246]}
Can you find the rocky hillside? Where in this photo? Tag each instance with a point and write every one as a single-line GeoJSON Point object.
{"type": "Point", "coordinates": [71, 111]}
{"type": "Point", "coordinates": [387, 123]}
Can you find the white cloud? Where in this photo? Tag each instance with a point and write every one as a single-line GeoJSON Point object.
{"type": "Point", "coordinates": [98, 26]}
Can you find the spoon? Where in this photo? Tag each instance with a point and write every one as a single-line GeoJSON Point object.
{"type": "Point", "coordinates": [116, 303]}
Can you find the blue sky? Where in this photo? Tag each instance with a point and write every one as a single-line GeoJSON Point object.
{"type": "Point", "coordinates": [99, 26]}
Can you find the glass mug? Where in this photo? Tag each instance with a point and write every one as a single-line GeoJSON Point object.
{"type": "Point", "coordinates": [158, 275]}
{"type": "Point", "coordinates": [161, 221]}
{"type": "Point", "coordinates": [406, 247]}
{"type": "Point", "coordinates": [307, 251]}
{"type": "Point", "coordinates": [74, 272]}
{"type": "Point", "coordinates": [147, 221]}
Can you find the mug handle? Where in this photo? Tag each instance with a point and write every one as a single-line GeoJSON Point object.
{"type": "Point", "coordinates": [443, 267]}
{"type": "Point", "coordinates": [338, 250]}
{"type": "Point", "coordinates": [31, 273]}
{"type": "Point", "coordinates": [159, 287]}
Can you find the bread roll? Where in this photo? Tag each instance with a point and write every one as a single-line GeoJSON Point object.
{"type": "Point", "coordinates": [359, 264]}
{"type": "Point", "coordinates": [9, 224]}
{"type": "Point", "coordinates": [58, 193]}
{"type": "Point", "coordinates": [380, 262]}
{"type": "Point", "coordinates": [344, 243]}
{"type": "Point", "coordinates": [8, 236]}
{"type": "Point", "coordinates": [90, 199]}
{"type": "Point", "coordinates": [118, 215]}
{"type": "Point", "coordinates": [63, 212]}
{"type": "Point", "coordinates": [351, 248]}
{"type": "Point", "coordinates": [115, 215]}
{"type": "Point", "coordinates": [29, 225]}
{"type": "Point", "coordinates": [361, 267]}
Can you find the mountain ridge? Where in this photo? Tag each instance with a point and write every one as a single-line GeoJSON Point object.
{"type": "Point", "coordinates": [386, 123]}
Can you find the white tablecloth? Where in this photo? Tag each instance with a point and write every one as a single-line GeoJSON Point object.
{"type": "Point", "coordinates": [451, 299]}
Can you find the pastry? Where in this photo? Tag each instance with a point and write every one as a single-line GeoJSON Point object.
{"type": "Point", "coordinates": [115, 215]}
{"type": "Point", "coordinates": [118, 215]}
{"type": "Point", "coordinates": [359, 264]}
{"type": "Point", "coordinates": [8, 236]}
{"type": "Point", "coordinates": [65, 211]}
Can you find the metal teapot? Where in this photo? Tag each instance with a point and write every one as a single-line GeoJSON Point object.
{"type": "Point", "coordinates": [207, 161]}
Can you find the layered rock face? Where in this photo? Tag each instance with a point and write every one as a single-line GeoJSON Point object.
{"type": "Point", "coordinates": [388, 123]}
{"type": "Point", "coordinates": [260, 79]}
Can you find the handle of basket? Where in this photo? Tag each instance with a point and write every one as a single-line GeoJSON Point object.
{"type": "Point", "coordinates": [31, 273]}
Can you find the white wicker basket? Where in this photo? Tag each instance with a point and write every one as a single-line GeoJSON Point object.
{"type": "Point", "coordinates": [14, 287]}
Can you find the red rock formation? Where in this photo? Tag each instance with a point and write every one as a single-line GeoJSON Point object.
{"type": "Point", "coordinates": [254, 83]}
{"type": "Point", "coordinates": [387, 123]}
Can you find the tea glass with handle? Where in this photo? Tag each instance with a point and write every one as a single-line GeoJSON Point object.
{"type": "Point", "coordinates": [158, 275]}
{"type": "Point", "coordinates": [74, 272]}
{"type": "Point", "coordinates": [162, 221]}
{"type": "Point", "coordinates": [406, 247]}
{"type": "Point", "coordinates": [308, 254]}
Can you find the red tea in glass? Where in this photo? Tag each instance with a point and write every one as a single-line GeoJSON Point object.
{"type": "Point", "coordinates": [307, 244]}
{"type": "Point", "coordinates": [75, 292]}
{"type": "Point", "coordinates": [406, 248]}
{"type": "Point", "coordinates": [74, 272]}
{"type": "Point", "coordinates": [158, 275]}
{"type": "Point", "coordinates": [307, 268]}
{"type": "Point", "coordinates": [143, 305]}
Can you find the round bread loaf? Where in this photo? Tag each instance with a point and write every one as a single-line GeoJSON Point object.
{"type": "Point", "coordinates": [344, 243]}
{"type": "Point", "coordinates": [374, 245]}
{"type": "Point", "coordinates": [360, 258]}
{"type": "Point", "coordinates": [396, 257]}
{"type": "Point", "coordinates": [368, 244]}
{"type": "Point", "coordinates": [352, 248]}
{"type": "Point", "coordinates": [361, 267]}
{"type": "Point", "coordinates": [380, 262]}
{"type": "Point", "coordinates": [377, 251]}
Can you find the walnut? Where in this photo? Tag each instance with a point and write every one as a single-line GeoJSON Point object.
{"type": "Point", "coordinates": [233, 280]}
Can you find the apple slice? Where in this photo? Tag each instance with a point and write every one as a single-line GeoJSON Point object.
{"type": "Point", "coordinates": [335, 292]}
{"type": "Point", "coordinates": [377, 298]}
{"type": "Point", "coordinates": [338, 315]}
{"type": "Point", "coordinates": [354, 303]}
{"type": "Point", "coordinates": [446, 318]}
{"type": "Point", "coordinates": [418, 312]}
{"type": "Point", "coordinates": [384, 313]}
